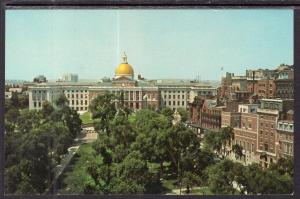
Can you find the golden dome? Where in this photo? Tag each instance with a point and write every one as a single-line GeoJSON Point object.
{"type": "Point", "coordinates": [124, 69]}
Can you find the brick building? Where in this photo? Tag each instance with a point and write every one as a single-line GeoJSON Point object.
{"type": "Point", "coordinates": [246, 136]}
{"type": "Point", "coordinates": [266, 88]}
{"type": "Point", "coordinates": [285, 88]}
{"type": "Point", "coordinates": [285, 138]}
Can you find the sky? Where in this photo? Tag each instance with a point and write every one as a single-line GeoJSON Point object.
{"type": "Point", "coordinates": [160, 44]}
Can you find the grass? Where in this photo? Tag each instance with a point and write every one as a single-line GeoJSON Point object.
{"type": "Point", "coordinates": [86, 118]}
{"type": "Point", "coordinates": [201, 191]}
{"type": "Point", "coordinates": [170, 184]}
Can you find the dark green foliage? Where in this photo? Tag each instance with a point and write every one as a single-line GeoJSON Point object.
{"type": "Point", "coordinates": [134, 153]}
{"type": "Point", "coordinates": [34, 142]}
{"type": "Point", "coordinates": [219, 141]}
{"type": "Point", "coordinates": [183, 114]}
{"type": "Point", "coordinates": [227, 177]}
{"type": "Point", "coordinates": [103, 108]}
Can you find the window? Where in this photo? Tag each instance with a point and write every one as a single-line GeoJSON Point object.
{"type": "Point", "coordinates": [173, 103]}
{"type": "Point", "coordinates": [182, 103]}
{"type": "Point", "coordinates": [266, 147]}
{"type": "Point", "coordinates": [178, 103]}
{"type": "Point", "coordinates": [169, 103]}
{"type": "Point", "coordinates": [34, 104]}
{"type": "Point", "coordinates": [86, 102]}
{"type": "Point", "coordinates": [72, 102]}
{"type": "Point", "coordinates": [178, 97]}
{"type": "Point", "coordinates": [182, 96]}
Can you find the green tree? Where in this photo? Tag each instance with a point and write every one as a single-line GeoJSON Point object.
{"type": "Point", "coordinates": [221, 177]}
{"type": "Point", "coordinates": [183, 114]}
{"type": "Point", "coordinates": [219, 141]}
{"type": "Point", "coordinates": [189, 180]}
{"type": "Point", "coordinates": [238, 151]}
{"type": "Point", "coordinates": [284, 166]}
{"type": "Point", "coordinates": [103, 108]}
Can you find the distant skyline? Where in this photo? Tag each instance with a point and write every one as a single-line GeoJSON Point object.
{"type": "Point", "coordinates": [160, 44]}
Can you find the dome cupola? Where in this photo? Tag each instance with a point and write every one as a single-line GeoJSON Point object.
{"type": "Point", "coordinates": [124, 69]}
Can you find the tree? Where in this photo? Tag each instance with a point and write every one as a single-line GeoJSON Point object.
{"type": "Point", "coordinates": [238, 150]}
{"type": "Point", "coordinates": [61, 101]}
{"type": "Point", "coordinates": [122, 131]}
{"type": "Point", "coordinates": [34, 144]}
{"type": "Point", "coordinates": [189, 180]}
{"type": "Point", "coordinates": [11, 116]}
{"type": "Point", "coordinates": [168, 112]}
{"type": "Point", "coordinates": [219, 141]}
{"type": "Point", "coordinates": [266, 181]}
{"type": "Point", "coordinates": [183, 114]}
{"type": "Point", "coordinates": [14, 100]}
{"type": "Point", "coordinates": [283, 166]}
{"type": "Point", "coordinates": [47, 109]}
{"type": "Point", "coordinates": [221, 178]}
{"type": "Point", "coordinates": [103, 108]}
{"type": "Point", "coordinates": [226, 136]}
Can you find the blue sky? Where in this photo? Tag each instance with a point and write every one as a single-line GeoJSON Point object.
{"type": "Point", "coordinates": [159, 43]}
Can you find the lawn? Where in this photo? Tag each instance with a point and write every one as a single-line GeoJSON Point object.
{"type": "Point", "coordinates": [201, 191]}
{"type": "Point", "coordinates": [86, 118]}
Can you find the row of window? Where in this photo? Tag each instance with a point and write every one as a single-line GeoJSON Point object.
{"type": "Point", "coordinates": [80, 108]}
{"type": "Point", "coordinates": [174, 103]}
{"type": "Point", "coordinates": [81, 91]}
{"type": "Point", "coordinates": [37, 104]}
{"type": "Point", "coordinates": [72, 102]}
{"type": "Point", "coordinates": [72, 96]}
{"type": "Point", "coordinates": [174, 97]}
{"type": "Point", "coordinates": [265, 147]}
{"type": "Point", "coordinates": [175, 91]}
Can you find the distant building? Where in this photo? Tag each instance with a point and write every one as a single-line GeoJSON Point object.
{"type": "Point", "coordinates": [40, 79]}
{"type": "Point", "coordinates": [17, 90]}
{"type": "Point", "coordinates": [69, 77]}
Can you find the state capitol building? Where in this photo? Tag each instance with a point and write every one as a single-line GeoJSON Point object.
{"type": "Point", "coordinates": [138, 94]}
